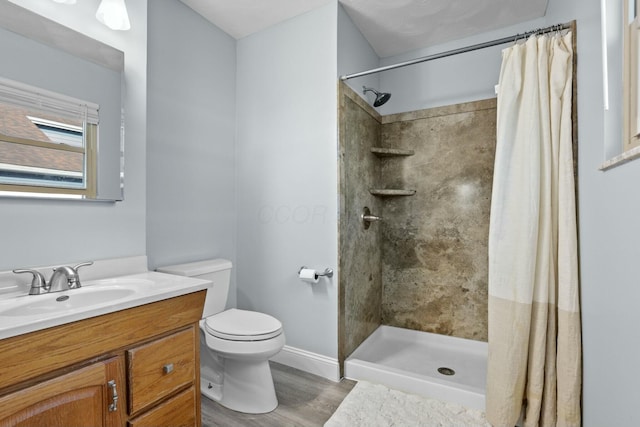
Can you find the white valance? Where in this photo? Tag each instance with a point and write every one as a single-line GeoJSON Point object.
{"type": "Point", "coordinates": [31, 97]}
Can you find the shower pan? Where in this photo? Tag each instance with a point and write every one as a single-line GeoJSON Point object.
{"type": "Point", "coordinates": [438, 366]}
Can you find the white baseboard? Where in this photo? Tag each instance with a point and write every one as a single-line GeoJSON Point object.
{"type": "Point", "coordinates": [307, 361]}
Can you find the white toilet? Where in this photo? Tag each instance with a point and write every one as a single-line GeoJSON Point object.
{"type": "Point", "coordinates": [235, 345]}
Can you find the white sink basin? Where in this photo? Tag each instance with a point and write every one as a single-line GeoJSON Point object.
{"type": "Point", "coordinates": [24, 313]}
{"type": "Point", "coordinates": [68, 300]}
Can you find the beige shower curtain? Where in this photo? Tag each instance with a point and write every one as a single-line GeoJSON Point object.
{"type": "Point", "coordinates": [534, 315]}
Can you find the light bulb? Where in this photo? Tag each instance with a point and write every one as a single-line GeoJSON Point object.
{"type": "Point", "coordinates": [113, 14]}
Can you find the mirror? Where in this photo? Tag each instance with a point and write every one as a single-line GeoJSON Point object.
{"type": "Point", "coordinates": [44, 54]}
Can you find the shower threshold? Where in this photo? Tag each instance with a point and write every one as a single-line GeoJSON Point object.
{"type": "Point", "coordinates": [441, 367]}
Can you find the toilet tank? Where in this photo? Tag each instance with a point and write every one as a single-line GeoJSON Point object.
{"type": "Point", "coordinates": [217, 271]}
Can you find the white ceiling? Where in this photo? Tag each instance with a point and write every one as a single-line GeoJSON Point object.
{"type": "Point", "coordinates": [240, 18]}
{"type": "Point", "coordinates": [391, 26]}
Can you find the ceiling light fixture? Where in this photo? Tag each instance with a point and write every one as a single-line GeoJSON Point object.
{"type": "Point", "coordinates": [65, 1]}
{"type": "Point", "coordinates": [113, 14]}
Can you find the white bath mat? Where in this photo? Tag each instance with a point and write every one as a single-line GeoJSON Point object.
{"type": "Point", "coordinates": [374, 405]}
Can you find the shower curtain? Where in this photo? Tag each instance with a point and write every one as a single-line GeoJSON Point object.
{"type": "Point", "coordinates": [534, 320]}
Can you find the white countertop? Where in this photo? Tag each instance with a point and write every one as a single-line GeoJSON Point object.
{"type": "Point", "coordinates": [142, 288]}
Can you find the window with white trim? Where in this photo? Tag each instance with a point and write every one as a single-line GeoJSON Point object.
{"type": "Point", "coordinates": [631, 79]}
{"type": "Point", "coordinates": [47, 141]}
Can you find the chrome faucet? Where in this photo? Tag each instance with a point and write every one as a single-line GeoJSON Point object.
{"type": "Point", "coordinates": [63, 279]}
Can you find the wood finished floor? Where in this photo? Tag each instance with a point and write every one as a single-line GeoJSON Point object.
{"type": "Point", "coordinates": [304, 400]}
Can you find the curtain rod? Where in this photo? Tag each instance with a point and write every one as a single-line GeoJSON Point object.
{"type": "Point", "coordinates": [478, 46]}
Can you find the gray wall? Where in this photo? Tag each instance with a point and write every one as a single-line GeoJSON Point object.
{"type": "Point", "coordinates": [608, 226]}
{"type": "Point", "coordinates": [45, 232]}
{"type": "Point", "coordinates": [287, 175]}
{"type": "Point", "coordinates": [355, 54]}
{"type": "Point", "coordinates": [191, 130]}
{"type": "Point", "coordinates": [456, 79]}
{"type": "Point", "coordinates": [609, 233]}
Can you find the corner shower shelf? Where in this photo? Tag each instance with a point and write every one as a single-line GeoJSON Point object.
{"type": "Point", "coordinates": [391, 152]}
{"type": "Point", "coordinates": [391, 193]}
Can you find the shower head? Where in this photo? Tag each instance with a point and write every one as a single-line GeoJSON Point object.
{"type": "Point", "coordinates": [381, 97]}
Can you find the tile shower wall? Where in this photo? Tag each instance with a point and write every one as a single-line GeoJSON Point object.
{"type": "Point", "coordinates": [360, 297]}
{"type": "Point", "coordinates": [434, 244]}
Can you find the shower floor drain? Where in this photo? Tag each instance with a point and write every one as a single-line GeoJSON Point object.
{"type": "Point", "coordinates": [446, 371]}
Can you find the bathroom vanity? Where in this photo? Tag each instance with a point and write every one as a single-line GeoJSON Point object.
{"type": "Point", "coordinates": [136, 367]}
{"type": "Point", "coordinates": [133, 362]}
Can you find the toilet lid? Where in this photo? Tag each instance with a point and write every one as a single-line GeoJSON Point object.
{"type": "Point", "coordinates": [243, 325]}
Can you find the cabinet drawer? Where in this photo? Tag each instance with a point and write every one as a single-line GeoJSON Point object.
{"type": "Point", "coordinates": [179, 411]}
{"type": "Point", "coordinates": [161, 367]}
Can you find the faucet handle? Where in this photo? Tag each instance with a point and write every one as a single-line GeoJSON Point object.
{"type": "Point", "coordinates": [82, 264]}
{"type": "Point", "coordinates": [38, 282]}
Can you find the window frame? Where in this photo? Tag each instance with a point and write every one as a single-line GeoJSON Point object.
{"type": "Point", "coordinates": [631, 76]}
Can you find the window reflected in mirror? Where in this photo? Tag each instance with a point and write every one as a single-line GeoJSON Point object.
{"type": "Point", "coordinates": [47, 141]}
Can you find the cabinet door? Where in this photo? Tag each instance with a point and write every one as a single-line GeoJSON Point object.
{"type": "Point", "coordinates": [80, 398]}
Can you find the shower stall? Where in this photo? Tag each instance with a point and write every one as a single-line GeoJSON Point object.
{"type": "Point", "coordinates": [413, 294]}
{"type": "Point", "coordinates": [415, 199]}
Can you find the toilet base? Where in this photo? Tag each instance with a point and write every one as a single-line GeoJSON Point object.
{"type": "Point", "coordinates": [247, 387]}
{"type": "Point", "coordinates": [210, 390]}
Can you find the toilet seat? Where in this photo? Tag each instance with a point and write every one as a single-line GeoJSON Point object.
{"type": "Point", "coordinates": [242, 325]}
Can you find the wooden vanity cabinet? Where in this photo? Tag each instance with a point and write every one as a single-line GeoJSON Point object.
{"type": "Point", "coordinates": [67, 375]}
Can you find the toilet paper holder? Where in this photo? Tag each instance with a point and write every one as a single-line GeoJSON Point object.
{"type": "Point", "coordinates": [326, 273]}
